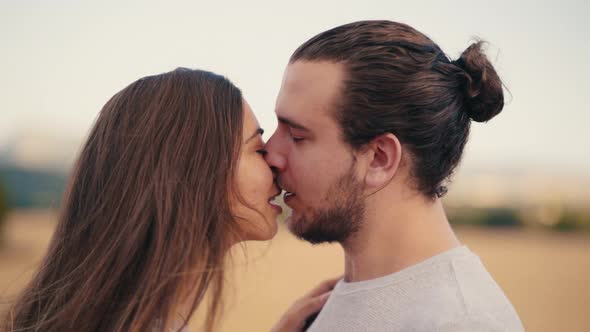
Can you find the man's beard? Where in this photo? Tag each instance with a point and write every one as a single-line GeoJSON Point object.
{"type": "Point", "coordinates": [337, 222]}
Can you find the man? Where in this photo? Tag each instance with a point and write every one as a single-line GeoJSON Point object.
{"type": "Point", "coordinates": [373, 118]}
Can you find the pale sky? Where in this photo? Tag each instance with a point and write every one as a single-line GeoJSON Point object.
{"type": "Point", "coordinates": [62, 60]}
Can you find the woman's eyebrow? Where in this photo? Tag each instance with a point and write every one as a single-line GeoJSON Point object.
{"type": "Point", "coordinates": [258, 131]}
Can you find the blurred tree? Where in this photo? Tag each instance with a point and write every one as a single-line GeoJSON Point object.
{"type": "Point", "coordinates": [566, 222]}
{"type": "Point", "coordinates": [26, 188]}
{"type": "Point", "coordinates": [573, 219]}
{"type": "Point", "coordinates": [501, 217]}
{"type": "Point", "coordinates": [494, 217]}
{"type": "Point", "coordinates": [3, 210]}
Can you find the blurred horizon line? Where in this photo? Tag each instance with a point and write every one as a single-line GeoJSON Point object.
{"type": "Point", "coordinates": [49, 150]}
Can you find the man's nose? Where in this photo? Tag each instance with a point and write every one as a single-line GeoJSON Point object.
{"type": "Point", "coordinates": [275, 154]}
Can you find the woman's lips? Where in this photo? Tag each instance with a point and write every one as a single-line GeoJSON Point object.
{"type": "Point", "coordinates": [277, 207]}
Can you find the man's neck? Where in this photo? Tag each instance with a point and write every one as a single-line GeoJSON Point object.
{"type": "Point", "coordinates": [396, 233]}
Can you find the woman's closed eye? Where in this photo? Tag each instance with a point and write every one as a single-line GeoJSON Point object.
{"type": "Point", "coordinates": [262, 152]}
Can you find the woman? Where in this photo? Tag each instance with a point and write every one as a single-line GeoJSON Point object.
{"type": "Point", "coordinates": [171, 176]}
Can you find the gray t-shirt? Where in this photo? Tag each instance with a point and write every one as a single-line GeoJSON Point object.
{"type": "Point", "coordinates": [451, 291]}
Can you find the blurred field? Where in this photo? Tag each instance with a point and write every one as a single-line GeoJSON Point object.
{"type": "Point", "coordinates": [546, 275]}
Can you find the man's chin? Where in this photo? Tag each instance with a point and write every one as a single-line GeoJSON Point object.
{"type": "Point", "coordinates": [307, 231]}
{"type": "Point", "coordinates": [296, 226]}
{"type": "Point", "coordinates": [292, 222]}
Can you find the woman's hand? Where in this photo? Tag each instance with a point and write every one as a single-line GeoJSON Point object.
{"type": "Point", "coordinates": [294, 320]}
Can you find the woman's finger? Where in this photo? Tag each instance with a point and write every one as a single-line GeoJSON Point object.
{"type": "Point", "coordinates": [325, 286]}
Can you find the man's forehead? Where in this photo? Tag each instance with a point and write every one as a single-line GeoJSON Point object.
{"type": "Point", "coordinates": [305, 76]}
{"type": "Point", "coordinates": [309, 91]}
{"type": "Point", "coordinates": [304, 117]}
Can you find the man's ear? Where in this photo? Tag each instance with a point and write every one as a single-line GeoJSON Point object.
{"type": "Point", "coordinates": [384, 159]}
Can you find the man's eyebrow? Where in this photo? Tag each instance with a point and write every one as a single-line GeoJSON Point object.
{"type": "Point", "coordinates": [292, 123]}
{"type": "Point", "coordinates": [259, 131]}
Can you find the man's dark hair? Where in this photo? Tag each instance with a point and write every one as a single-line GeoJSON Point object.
{"type": "Point", "coordinates": [399, 81]}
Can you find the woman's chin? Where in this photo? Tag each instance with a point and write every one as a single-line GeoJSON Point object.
{"type": "Point", "coordinates": [270, 231]}
{"type": "Point", "coordinates": [264, 230]}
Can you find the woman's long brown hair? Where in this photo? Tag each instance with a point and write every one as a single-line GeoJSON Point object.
{"type": "Point", "coordinates": [146, 219]}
